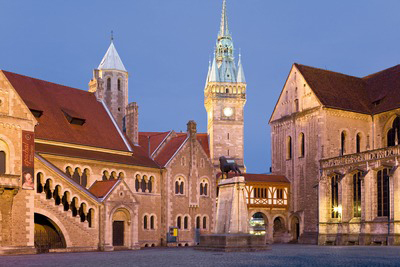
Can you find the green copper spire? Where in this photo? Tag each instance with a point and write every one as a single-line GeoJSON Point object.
{"type": "Point", "coordinates": [224, 30]}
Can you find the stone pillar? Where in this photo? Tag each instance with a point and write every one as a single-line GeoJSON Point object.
{"type": "Point", "coordinates": [232, 207]}
{"type": "Point", "coordinates": [132, 122]}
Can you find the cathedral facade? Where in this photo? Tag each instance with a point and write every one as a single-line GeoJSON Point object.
{"type": "Point", "coordinates": [335, 137]}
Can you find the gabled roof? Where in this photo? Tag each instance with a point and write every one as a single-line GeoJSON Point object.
{"type": "Point", "coordinates": [261, 178]}
{"type": "Point", "coordinates": [337, 90]}
{"type": "Point", "coordinates": [101, 188]}
{"type": "Point", "coordinates": [53, 99]}
{"type": "Point", "coordinates": [154, 139]}
{"type": "Point", "coordinates": [372, 94]}
{"type": "Point", "coordinates": [170, 148]}
{"type": "Point", "coordinates": [111, 60]}
{"type": "Point", "coordinates": [164, 145]}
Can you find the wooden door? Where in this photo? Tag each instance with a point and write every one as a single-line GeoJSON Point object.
{"type": "Point", "coordinates": [118, 233]}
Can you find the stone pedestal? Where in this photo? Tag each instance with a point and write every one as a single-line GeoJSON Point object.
{"type": "Point", "coordinates": [231, 231]}
{"type": "Point", "coordinates": [232, 207]}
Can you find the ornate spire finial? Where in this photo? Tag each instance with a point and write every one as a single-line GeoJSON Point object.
{"type": "Point", "coordinates": [224, 31]}
{"type": "Point", "coordinates": [112, 36]}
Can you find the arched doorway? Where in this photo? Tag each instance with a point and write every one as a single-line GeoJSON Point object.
{"type": "Point", "coordinates": [258, 224]}
{"type": "Point", "coordinates": [120, 226]}
{"type": "Point", "coordinates": [280, 232]}
{"type": "Point", "coordinates": [295, 229]}
{"type": "Point", "coordinates": [47, 234]}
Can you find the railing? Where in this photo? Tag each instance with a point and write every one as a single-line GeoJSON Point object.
{"type": "Point", "coordinates": [9, 180]}
{"type": "Point", "coordinates": [361, 157]}
{"type": "Point", "coordinates": [267, 197]}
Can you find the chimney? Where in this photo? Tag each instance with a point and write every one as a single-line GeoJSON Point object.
{"type": "Point", "coordinates": [192, 129]}
{"type": "Point", "coordinates": [132, 122]}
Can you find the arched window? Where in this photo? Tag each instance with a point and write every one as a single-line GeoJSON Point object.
{"type": "Point", "coordinates": [342, 143]}
{"type": "Point", "coordinates": [82, 212]}
{"type": "Point", "coordinates": [105, 176]}
{"type": "Point", "coordinates": [198, 222]}
{"type": "Point", "coordinates": [203, 187]}
{"type": "Point", "coordinates": [179, 186]}
{"type": "Point", "coordinates": [119, 84]}
{"type": "Point", "coordinates": [2, 162]}
{"type": "Point", "coordinates": [47, 189]}
{"type": "Point", "coordinates": [68, 172]}
{"type": "Point", "coordinates": [383, 192]}
{"type": "Point", "coordinates": [393, 134]}
{"type": "Point", "coordinates": [74, 207]}
{"type": "Point", "coordinates": [39, 185]}
{"type": "Point", "coordinates": [289, 147]}
{"type": "Point", "coordinates": [77, 175]}
{"type": "Point", "coordinates": [137, 182]}
{"type": "Point", "coordinates": [358, 143]}
{"type": "Point", "coordinates": [204, 222]}
{"type": "Point", "coordinates": [56, 195]}
{"type": "Point", "coordinates": [227, 90]}
{"type": "Point", "coordinates": [179, 222]}
{"type": "Point", "coordinates": [113, 175]}
{"type": "Point", "coordinates": [150, 184]}
{"type": "Point", "coordinates": [65, 201]}
{"type": "Point", "coordinates": [144, 183]}
{"type": "Point", "coordinates": [302, 145]}
{"type": "Point", "coordinates": [145, 222]}
{"type": "Point", "coordinates": [152, 222]}
{"type": "Point", "coordinates": [335, 196]}
{"type": "Point", "coordinates": [186, 223]}
{"type": "Point", "coordinates": [109, 84]}
{"type": "Point", "coordinates": [357, 194]}
{"type": "Point", "coordinates": [84, 178]}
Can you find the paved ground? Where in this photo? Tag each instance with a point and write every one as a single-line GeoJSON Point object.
{"type": "Point", "coordinates": [279, 255]}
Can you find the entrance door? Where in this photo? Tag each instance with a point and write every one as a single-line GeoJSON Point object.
{"type": "Point", "coordinates": [118, 233]}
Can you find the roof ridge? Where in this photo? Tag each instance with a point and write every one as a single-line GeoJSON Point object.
{"type": "Point", "coordinates": [331, 71]}
{"type": "Point", "coordinates": [379, 72]}
{"type": "Point", "coordinates": [41, 80]}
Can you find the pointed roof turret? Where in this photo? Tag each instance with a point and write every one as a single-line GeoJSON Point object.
{"type": "Point", "coordinates": [224, 30]}
{"type": "Point", "coordinates": [111, 60]}
{"type": "Point", "coordinates": [214, 74]}
{"type": "Point", "coordinates": [240, 73]}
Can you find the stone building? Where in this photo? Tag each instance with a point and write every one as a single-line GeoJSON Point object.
{"type": "Point", "coordinates": [335, 137]}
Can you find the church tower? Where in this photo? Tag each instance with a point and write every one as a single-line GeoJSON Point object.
{"type": "Point", "coordinates": [224, 99]}
{"type": "Point", "coordinates": [110, 84]}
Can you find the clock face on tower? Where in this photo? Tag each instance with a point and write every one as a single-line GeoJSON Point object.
{"type": "Point", "coordinates": [228, 112]}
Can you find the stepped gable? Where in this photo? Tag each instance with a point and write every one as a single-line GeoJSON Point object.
{"type": "Point", "coordinates": [265, 178]}
{"type": "Point", "coordinates": [138, 158]}
{"type": "Point", "coordinates": [101, 188]}
{"type": "Point", "coordinates": [54, 100]}
{"type": "Point", "coordinates": [384, 89]}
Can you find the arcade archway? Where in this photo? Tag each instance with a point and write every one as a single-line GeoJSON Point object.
{"type": "Point", "coordinates": [47, 234]}
{"type": "Point", "coordinates": [258, 224]}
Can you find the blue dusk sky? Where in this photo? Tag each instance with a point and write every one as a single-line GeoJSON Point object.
{"type": "Point", "coordinates": [166, 45]}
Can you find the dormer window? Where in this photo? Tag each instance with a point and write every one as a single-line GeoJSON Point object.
{"type": "Point", "coordinates": [36, 113]}
{"type": "Point", "coordinates": [73, 119]}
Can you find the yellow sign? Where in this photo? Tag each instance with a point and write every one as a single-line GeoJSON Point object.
{"type": "Point", "coordinates": [175, 232]}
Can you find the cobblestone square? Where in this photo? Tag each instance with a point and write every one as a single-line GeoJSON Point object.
{"type": "Point", "coordinates": [279, 255]}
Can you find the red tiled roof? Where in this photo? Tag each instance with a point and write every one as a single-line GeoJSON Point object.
{"type": "Point", "coordinates": [101, 188]}
{"type": "Point", "coordinates": [265, 178]}
{"type": "Point", "coordinates": [203, 139]}
{"type": "Point", "coordinates": [372, 94]}
{"type": "Point", "coordinates": [155, 139]}
{"type": "Point", "coordinates": [98, 129]}
{"type": "Point", "coordinates": [337, 90]}
{"type": "Point", "coordinates": [170, 149]}
{"type": "Point", "coordinates": [139, 158]}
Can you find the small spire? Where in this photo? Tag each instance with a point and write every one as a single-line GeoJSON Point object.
{"type": "Point", "coordinates": [240, 74]}
{"type": "Point", "coordinates": [224, 31]}
{"type": "Point", "coordinates": [112, 36]}
{"type": "Point", "coordinates": [214, 73]}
